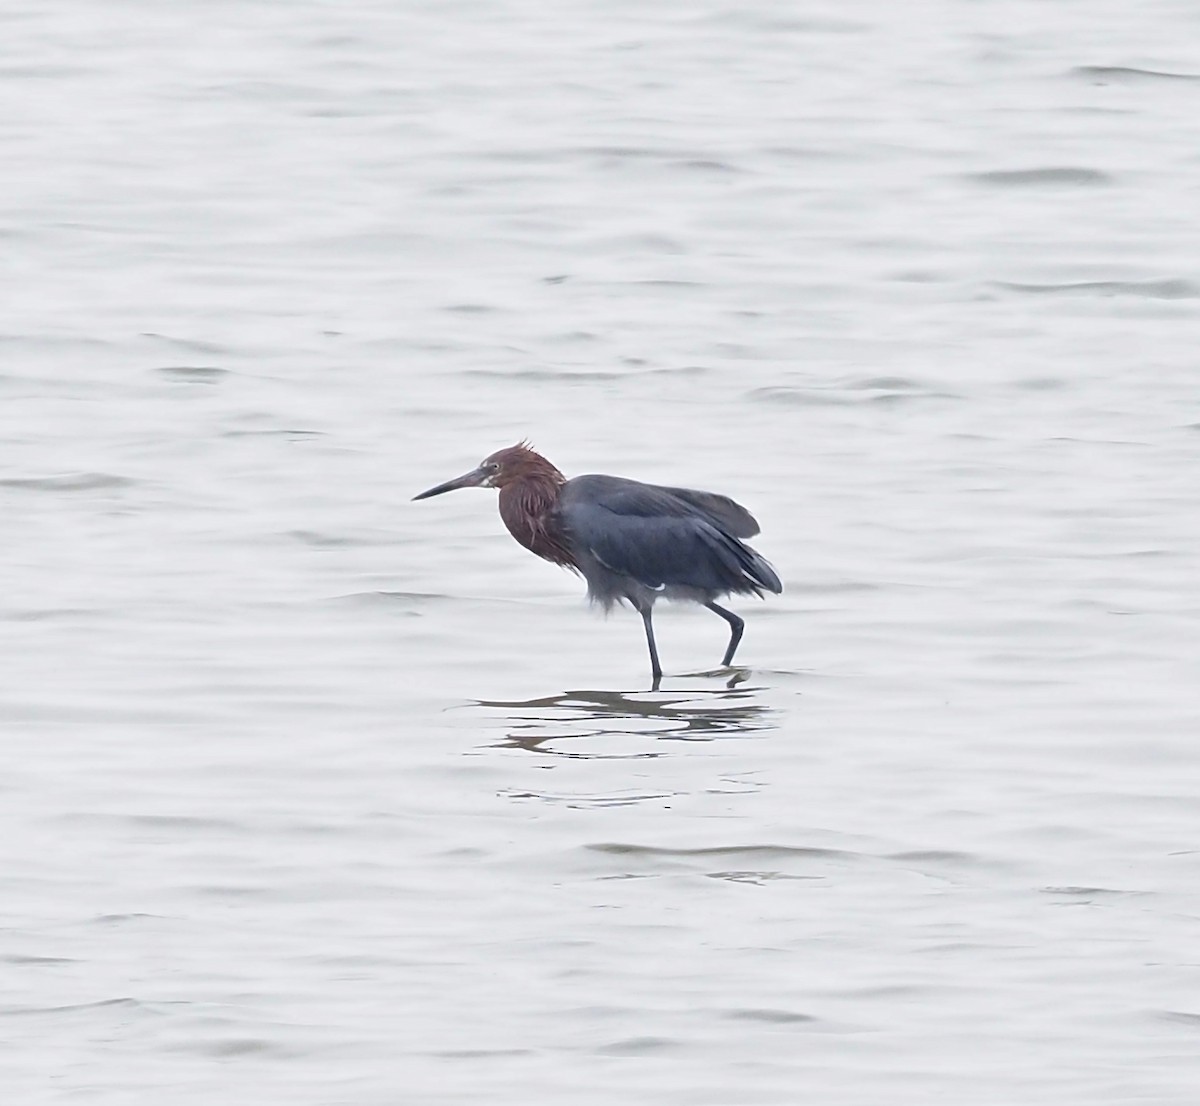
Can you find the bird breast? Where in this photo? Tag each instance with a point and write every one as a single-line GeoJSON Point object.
{"type": "Point", "coordinates": [528, 509]}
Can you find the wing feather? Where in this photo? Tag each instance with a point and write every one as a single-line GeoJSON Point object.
{"type": "Point", "coordinates": [664, 537]}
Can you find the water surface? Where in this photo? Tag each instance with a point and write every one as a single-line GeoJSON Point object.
{"type": "Point", "coordinates": [316, 795]}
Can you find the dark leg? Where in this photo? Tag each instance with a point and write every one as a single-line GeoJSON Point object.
{"type": "Point", "coordinates": [655, 667]}
{"type": "Point", "coordinates": [736, 626]}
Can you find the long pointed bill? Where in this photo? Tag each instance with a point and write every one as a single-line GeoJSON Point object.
{"type": "Point", "coordinates": [476, 478]}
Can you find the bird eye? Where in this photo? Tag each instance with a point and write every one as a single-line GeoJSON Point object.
{"type": "Point", "coordinates": [492, 466]}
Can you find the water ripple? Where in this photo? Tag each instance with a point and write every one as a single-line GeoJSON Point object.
{"type": "Point", "coordinates": [74, 482]}
{"type": "Point", "coordinates": [1068, 176]}
{"type": "Point", "coordinates": [1121, 74]}
{"type": "Point", "coordinates": [194, 374]}
{"type": "Point", "coordinates": [1170, 289]}
{"type": "Point", "coordinates": [880, 391]}
{"type": "Point", "coordinates": [755, 852]}
{"type": "Point", "coordinates": [770, 1017]}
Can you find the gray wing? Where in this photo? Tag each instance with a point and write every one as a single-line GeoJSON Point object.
{"type": "Point", "coordinates": [635, 498]}
{"type": "Point", "coordinates": [732, 517]}
{"type": "Point", "coordinates": [660, 538]}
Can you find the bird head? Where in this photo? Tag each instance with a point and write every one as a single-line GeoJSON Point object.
{"type": "Point", "coordinates": [505, 466]}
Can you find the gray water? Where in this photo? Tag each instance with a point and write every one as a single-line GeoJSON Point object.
{"type": "Point", "coordinates": [312, 794]}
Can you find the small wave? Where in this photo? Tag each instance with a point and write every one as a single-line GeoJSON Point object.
{"type": "Point", "coordinates": [57, 341]}
{"type": "Point", "coordinates": [318, 540]}
{"type": "Point", "coordinates": [755, 20]}
{"type": "Point", "coordinates": [708, 165]}
{"type": "Point", "coordinates": [811, 153]}
{"type": "Point", "coordinates": [556, 375]}
{"type": "Point", "coordinates": [1183, 1017]}
{"type": "Point", "coordinates": [883, 391]}
{"type": "Point", "coordinates": [834, 587]}
{"type": "Point", "coordinates": [637, 1046]}
{"type": "Point", "coordinates": [1121, 74]}
{"type": "Point", "coordinates": [1041, 383]}
{"type": "Point", "coordinates": [802, 397]}
{"type": "Point", "coordinates": [120, 1003]}
{"type": "Point", "coordinates": [293, 435]}
{"type": "Point", "coordinates": [121, 919]}
{"type": "Point", "coordinates": [231, 1047]}
{"type": "Point", "coordinates": [769, 852]}
{"type": "Point", "coordinates": [1082, 892]}
{"type": "Point", "coordinates": [649, 243]}
{"type": "Point", "coordinates": [73, 482]}
{"type": "Point", "coordinates": [1170, 289]}
{"type": "Point", "coordinates": [617, 798]}
{"type": "Point", "coordinates": [662, 282]}
{"type": "Point", "coordinates": [196, 374]}
{"type": "Point", "coordinates": [936, 856]}
{"type": "Point", "coordinates": [884, 383]}
{"type": "Point", "coordinates": [390, 598]}
{"type": "Point", "coordinates": [1071, 176]}
{"type": "Point", "coordinates": [772, 1017]}
{"type": "Point", "coordinates": [754, 876]}
{"type": "Point", "coordinates": [193, 345]}
{"type": "Point", "coordinates": [642, 153]}
{"type": "Point", "coordinates": [917, 276]}
{"type": "Point", "coordinates": [480, 1053]}
{"type": "Point", "coordinates": [187, 822]}
{"type": "Point", "coordinates": [48, 614]}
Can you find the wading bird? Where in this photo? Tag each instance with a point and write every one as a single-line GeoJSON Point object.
{"type": "Point", "coordinates": [630, 541]}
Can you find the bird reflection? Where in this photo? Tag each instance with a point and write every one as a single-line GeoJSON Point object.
{"type": "Point", "coordinates": [665, 716]}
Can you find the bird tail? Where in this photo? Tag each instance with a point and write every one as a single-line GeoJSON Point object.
{"type": "Point", "coordinates": [759, 572]}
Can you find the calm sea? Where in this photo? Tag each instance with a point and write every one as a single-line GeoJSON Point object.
{"type": "Point", "coordinates": [313, 795]}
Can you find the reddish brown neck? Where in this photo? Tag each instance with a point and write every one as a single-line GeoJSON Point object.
{"type": "Point", "coordinates": [527, 506]}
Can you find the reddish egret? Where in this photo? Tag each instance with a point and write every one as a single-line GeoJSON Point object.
{"type": "Point", "coordinates": [632, 542]}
